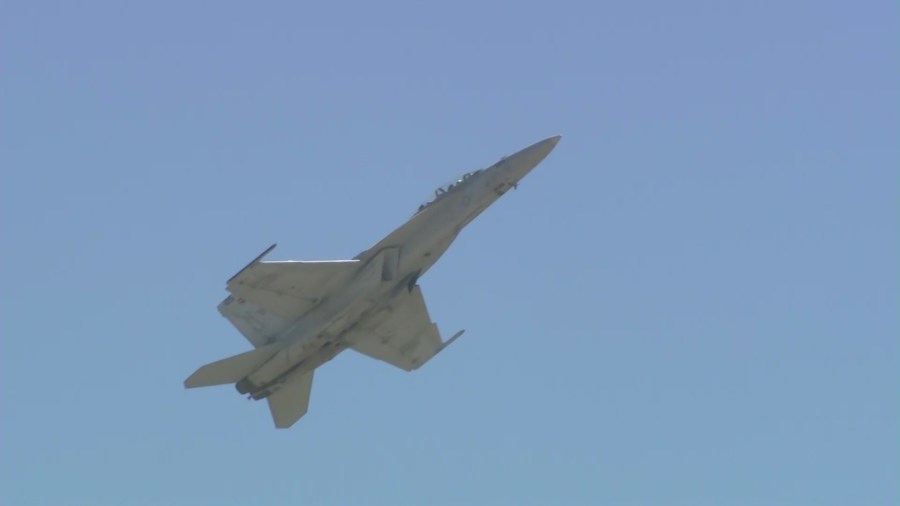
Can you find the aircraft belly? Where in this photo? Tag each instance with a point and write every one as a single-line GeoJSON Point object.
{"type": "Point", "coordinates": [320, 342]}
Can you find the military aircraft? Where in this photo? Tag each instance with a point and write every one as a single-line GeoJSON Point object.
{"type": "Point", "coordinates": [300, 314]}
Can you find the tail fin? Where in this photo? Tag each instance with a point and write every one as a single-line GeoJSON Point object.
{"type": "Point", "coordinates": [231, 369]}
{"type": "Point", "coordinates": [290, 402]}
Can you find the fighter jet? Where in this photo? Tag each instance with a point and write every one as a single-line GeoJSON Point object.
{"type": "Point", "coordinates": [300, 314]}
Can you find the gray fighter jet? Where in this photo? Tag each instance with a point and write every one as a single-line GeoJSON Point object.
{"type": "Point", "coordinates": [299, 315]}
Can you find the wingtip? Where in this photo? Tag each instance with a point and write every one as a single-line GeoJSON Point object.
{"type": "Point", "coordinates": [454, 337]}
{"type": "Point", "coordinates": [253, 262]}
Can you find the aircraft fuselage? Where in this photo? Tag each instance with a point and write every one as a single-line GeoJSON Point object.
{"type": "Point", "coordinates": [300, 314]}
{"type": "Point", "coordinates": [411, 250]}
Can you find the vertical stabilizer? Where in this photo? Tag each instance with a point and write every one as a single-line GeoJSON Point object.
{"type": "Point", "coordinates": [290, 402]}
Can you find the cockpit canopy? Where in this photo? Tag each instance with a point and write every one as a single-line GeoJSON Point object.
{"type": "Point", "coordinates": [446, 189]}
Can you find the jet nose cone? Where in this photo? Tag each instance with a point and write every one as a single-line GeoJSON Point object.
{"type": "Point", "coordinates": [542, 148]}
{"type": "Point", "coordinates": [535, 153]}
{"type": "Point", "coordinates": [521, 163]}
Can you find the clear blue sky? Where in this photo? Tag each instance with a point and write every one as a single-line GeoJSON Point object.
{"type": "Point", "coordinates": [692, 301]}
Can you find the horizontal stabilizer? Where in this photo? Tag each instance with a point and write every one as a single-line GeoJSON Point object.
{"type": "Point", "coordinates": [231, 369]}
{"type": "Point", "coordinates": [290, 402]}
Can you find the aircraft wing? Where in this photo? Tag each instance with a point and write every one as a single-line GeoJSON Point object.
{"type": "Point", "coordinates": [402, 334]}
{"type": "Point", "coordinates": [259, 326]}
{"type": "Point", "coordinates": [288, 288]}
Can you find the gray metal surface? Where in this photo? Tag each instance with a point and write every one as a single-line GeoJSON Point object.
{"type": "Point", "coordinates": [300, 315]}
